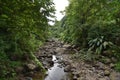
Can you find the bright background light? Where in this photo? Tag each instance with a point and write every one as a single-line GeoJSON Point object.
{"type": "Point", "coordinates": [60, 6]}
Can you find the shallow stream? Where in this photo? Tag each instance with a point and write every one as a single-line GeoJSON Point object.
{"type": "Point", "coordinates": [56, 72]}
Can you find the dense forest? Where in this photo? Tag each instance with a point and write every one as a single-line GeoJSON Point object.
{"type": "Point", "coordinates": [91, 25]}
{"type": "Point", "coordinates": [23, 28]}
{"type": "Point", "coordinates": [94, 27]}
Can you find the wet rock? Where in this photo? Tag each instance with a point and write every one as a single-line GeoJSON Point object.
{"type": "Point", "coordinates": [49, 56]}
{"type": "Point", "coordinates": [60, 66]}
{"type": "Point", "coordinates": [46, 67]}
{"type": "Point", "coordinates": [47, 73]}
{"type": "Point", "coordinates": [50, 63]}
{"type": "Point", "coordinates": [60, 61]}
{"type": "Point", "coordinates": [42, 56]}
{"type": "Point", "coordinates": [44, 63]}
{"type": "Point", "coordinates": [107, 72]}
{"type": "Point", "coordinates": [58, 57]}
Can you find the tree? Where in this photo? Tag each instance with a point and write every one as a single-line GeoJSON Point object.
{"type": "Point", "coordinates": [84, 15]}
{"type": "Point", "coordinates": [23, 27]}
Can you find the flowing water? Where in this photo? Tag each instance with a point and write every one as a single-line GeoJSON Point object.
{"type": "Point", "coordinates": [56, 72]}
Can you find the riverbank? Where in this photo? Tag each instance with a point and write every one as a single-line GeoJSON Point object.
{"type": "Point", "coordinates": [60, 59]}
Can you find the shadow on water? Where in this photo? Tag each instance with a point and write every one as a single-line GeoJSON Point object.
{"type": "Point", "coordinates": [55, 73]}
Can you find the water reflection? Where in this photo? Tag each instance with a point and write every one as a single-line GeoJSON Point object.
{"type": "Point", "coordinates": [56, 72]}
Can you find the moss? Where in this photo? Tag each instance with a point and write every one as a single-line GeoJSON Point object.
{"type": "Point", "coordinates": [37, 62]}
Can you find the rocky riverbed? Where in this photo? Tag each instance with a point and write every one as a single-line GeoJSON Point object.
{"type": "Point", "coordinates": [57, 58]}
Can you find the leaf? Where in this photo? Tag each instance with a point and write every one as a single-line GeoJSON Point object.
{"type": "Point", "coordinates": [4, 16]}
{"type": "Point", "coordinates": [98, 43]}
{"type": "Point", "coordinates": [105, 44]}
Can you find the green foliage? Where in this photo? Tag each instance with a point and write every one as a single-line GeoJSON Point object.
{"type": "Point", "coordinates": [86, 21]}
{"type": "Point", "coordinates": [99, 44]}
{"type": "Point", "coordinates": [23, 27]}
{"type": "Point", "coordinates": [85, 55]}
{"type": "Point", "coordinates": [116, 51]}
{"type": "Point", "coordinates": [117, 66]}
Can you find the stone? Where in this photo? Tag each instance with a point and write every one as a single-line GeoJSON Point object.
{"type": "Point", "coordinates": [67, 68]}
{"type": "Point", "coordinates": [107, 53]}
{"type": "Point", "coordinates": [104, 78]}
{"type": "Point", "coordinates": [73, 69]}
{"type": "Point", "coordinates": [60, 50]}
{"type": "Point", "coordinates": [51, 63]}
{"type": "Point", "coordinates": [76, 74]}
{"type": "Point", "coordinates": [100, 65]}
{"type": "Point", "coordinates": [115, 76]}
{"type": "Point", "coordinates": [60, 66]}
{"type": "Point", "coordinates": [101, 73]}
{"type": "Point", "coordinates": [107, 61]}
{"type": "Point", "coordinates": [29, 78]}
{"type": "Point", "coordinates": [31, 66]}
{"type": "Point", "coordinates": [66, 63]}
{"type": "Point", "coordinates": [112, 65]}
{"type": "Point", "coordinates": [38, 68]}
{"type": "Point", "coordinates": [66, 46]}
{"type": "Point", "coordinates": [106, 72]}
{"type": "Point", "coordinates": [19, 69]}
{"type": "Point", "coordinates": [113, 60]}
{"type": "Point", "coordinates": [75, 78]}
{"type": "Point", "coordinates": [49, 56]}
{"type": "Point", "coordinates": [31, 73]}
